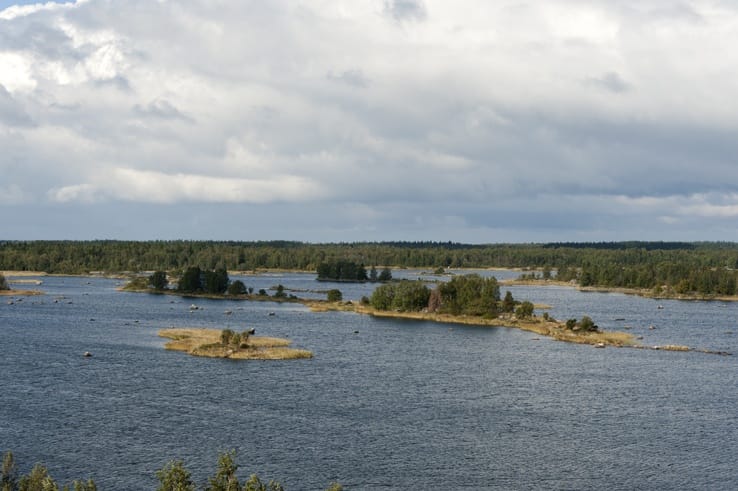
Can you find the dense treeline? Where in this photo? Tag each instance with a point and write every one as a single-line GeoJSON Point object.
{"type": "Point", "coordinates": [705, 268]}
{"type": "Point", "coordinates": [174, 476]}
{"type": "Point", "coordinates": [463, 295]}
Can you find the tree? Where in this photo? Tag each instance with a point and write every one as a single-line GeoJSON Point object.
{"type": "Point", "coordinates": [237, 288]}
{"type": "Point", "coordinates": [216, 281]}
{"type": "Point", "coordinates": [4, 283]}
{"type": "Point", "coordinates": [255, 484]}
{"type": "Point", "coordinates": [434, 300]}
{"type": "Point", "coordinates": [335, 295]}
{"type": "Point", "coordinates": [191, 280]}
{"type": "Point", "coordinates": [508, 303]}
{"type": "Point", "coordinates": [174, 477]}
{"type": "Point", "coordinates": [382, 297]}
{"type": "Point", "coordinates": [37, 480]}
{"type": "Point", "coordinates": [9, 473]}
{"type": "Point", "coordinates": [225, 478]}
{"type": "Point", "coordinates": [158, 280]}
{"type": "Point", "coordinates": [525, 310]}
{"type": "Point", "coordinates": [280, 292]}
{"type": "Point", "coordinates": [373, 274]}
{"type": "Point", "coordinates": [385, 275]}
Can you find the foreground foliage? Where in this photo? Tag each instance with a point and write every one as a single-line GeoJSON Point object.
{"type": "Point", "coordinates": [38, 479]}
{"type": "Point", "coordinates": [174, 476]}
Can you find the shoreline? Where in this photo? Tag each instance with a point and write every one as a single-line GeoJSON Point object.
{"type": "Point", "coordinates": [639, 292]}
{"type": "Point", "coordinates": [550, 328]}
{"type": "Point", "coordinates": [20, 293]}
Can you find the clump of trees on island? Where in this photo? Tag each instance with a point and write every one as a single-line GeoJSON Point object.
{"type": "Point", "coordinates": [174, 476]}
{"type": "Point", "coordinates": [195, 280]}
{"type": "Point", "coordinates": [4, 283]}
{"type": "Point", "coordinates": [468, 294]}
{"type": "Point", "coordinates": [351, 271]}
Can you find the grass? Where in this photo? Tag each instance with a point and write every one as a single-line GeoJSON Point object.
{"type": "Point", "coordinates": [554, 329]}
{"type": "Point", "coordinates": [206, 343]}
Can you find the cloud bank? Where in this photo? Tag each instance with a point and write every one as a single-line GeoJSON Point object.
{"type": "Point", "coordinates": [487, 121]}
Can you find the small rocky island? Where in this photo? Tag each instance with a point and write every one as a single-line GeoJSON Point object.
{"type": "Point", "coordinates": [214, 343]}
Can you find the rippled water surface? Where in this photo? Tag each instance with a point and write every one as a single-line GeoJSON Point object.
{"type": "Point", "coordinates": [398, 405]}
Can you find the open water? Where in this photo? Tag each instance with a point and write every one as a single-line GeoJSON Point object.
{"type": "Point", "coordinates": [398, 405]}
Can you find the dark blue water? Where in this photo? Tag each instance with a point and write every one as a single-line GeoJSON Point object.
{"type": "Point", "coordinates": [400, 405]}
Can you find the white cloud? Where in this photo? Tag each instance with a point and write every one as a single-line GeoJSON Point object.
{"type": "Point", "coordinates": [415, 103]}
{"type": "Point", "coordinates": [157, 187]}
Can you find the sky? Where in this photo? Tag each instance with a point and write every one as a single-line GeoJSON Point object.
{"type": "Point", "coordinates": [368, 120]}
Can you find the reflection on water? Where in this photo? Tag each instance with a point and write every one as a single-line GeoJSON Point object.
{"type": "Point", "coordinates": [398, 405]}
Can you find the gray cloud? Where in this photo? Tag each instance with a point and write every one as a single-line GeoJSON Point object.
{"type": "Point", "coordinates": [11, 112]}
{"type": "Point", "coordinates": [405, 10]}
{"type": "Point", "coordinates": [610, 81]}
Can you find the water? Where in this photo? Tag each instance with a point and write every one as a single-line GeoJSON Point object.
{"type": "Point", "coordinates": [400, 405]}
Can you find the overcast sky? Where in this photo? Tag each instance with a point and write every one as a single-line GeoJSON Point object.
{"type": "Point", "coordinates": [321, 120]}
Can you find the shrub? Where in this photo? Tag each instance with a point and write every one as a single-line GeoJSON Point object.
{"type": "Point", "coordinates": [237, 288]}
{"type": "Point", "coordinates": [158, 280]}
{"type": "Point", "coordinates": [4, 283]}
{"type": "Point", "coordinates": [524, 310]}
{"type": "Point", "coordinates": [587, 324]}
{"type": "Point", "coordinates": [335, 295]}
{"type": "Point", "coordinates": [226, 336]}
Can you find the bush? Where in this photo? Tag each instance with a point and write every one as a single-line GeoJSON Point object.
{"type": "Point", "coordinates": [405, 295]}
{"type": "Point", "coordinates": [237, 288]}
{"type": "Point", "coordinates": [4, 283]}
{"type": "Point", "coordinates": [226, 336]}
{"type": "Point", "coordinates": [280, 292]}
{"type": "Point", "coordinates": [158, 280]}
{"type": "Point", "coordinates": [587, 324]}
{"type": "Point", "coordinates": [524, 310]}
{"type": "Point", "coordinates": [335, 295]}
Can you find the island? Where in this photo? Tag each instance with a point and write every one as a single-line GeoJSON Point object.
{"type": "Point", "coordinates": [5, 289]}
{"type": "Point", "coordinates": [214, 343]}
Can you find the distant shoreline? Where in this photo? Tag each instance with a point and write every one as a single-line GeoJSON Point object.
{"type": "Point", "coordinates": [640, 292]}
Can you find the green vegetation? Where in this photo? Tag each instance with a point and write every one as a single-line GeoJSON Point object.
{"type": "Point", "coordinates": [4, 283]}
{"type": "Point", "coordinates": [585, 325]}
{"type": "Point", "coordinates": [158, 280]}
{"type": "Point", "coordinates": [462, 295]}
{"type": "Point", "coordinates": [38, 479]}
{"type": "Point", "coordinates": [174, 476]}
{"type": "Point", "coordinates": [404, 296]}
{"type": "Point", "coordinates": [342, 271]}
{"type": "Point", "coordinates": [662, 268]}
{"type": "Point", "coordinates": [335, 295]}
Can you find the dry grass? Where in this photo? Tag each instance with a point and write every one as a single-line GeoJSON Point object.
{"type": "Point", "coordinates": [556, 330]}
{"type": "Point", "coordinates": [20, 293]}
{"type": "Point", "coordinates": [206, 342]}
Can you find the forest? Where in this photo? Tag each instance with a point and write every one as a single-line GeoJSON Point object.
{"type": "Point", "coordinates": [703, 268]}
